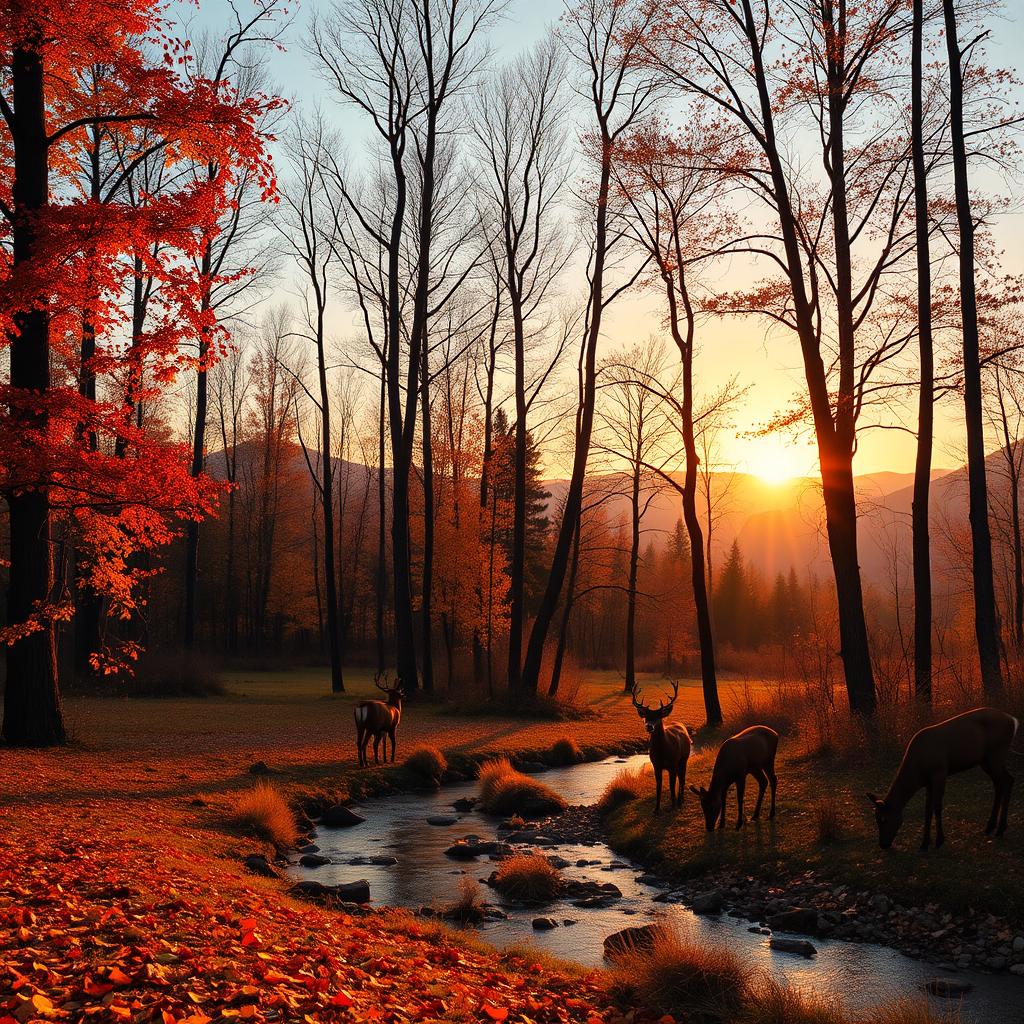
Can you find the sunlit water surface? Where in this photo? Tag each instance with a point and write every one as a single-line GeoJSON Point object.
{"type": "Point", "coordinates": [863, 975]}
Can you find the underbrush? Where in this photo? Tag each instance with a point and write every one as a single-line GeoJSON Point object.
{"type": "Point", "coordinates": [528, 878]}
{"type": "Point", "coordinates": [468, 907]}
{"type": "Point", "coordinates": [264, 812]}
{"type": "Point", "coordinates": [505, 791]}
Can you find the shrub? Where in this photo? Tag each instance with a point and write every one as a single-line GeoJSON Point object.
{"type": "Point", "coordinates": [828, 820]}
{"type": "Point", "coordinates": [628, 784]}
{"type": "Point", "coordinates": [175, 674]}
{"type": "Point", "coordinates": [262, 811]}
{"type": "Point", "coordinates": [528, 877]}
{"type": "Point", "coordinates": [468, 906]}
{"type": "Point", "coordinates": [566, 751]}
{"type": "Point", "coordinates": [505, 791]}
{"type": "Point", "coordinates": [686, 978]}
{"type": "Point", "coordinates": [427, 762]}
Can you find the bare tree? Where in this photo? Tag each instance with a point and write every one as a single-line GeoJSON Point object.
{"type": "Point", "coordinates": [620, 91]}
{"type": "Point", "coordinates": [519, 122]}
{"type": "Point", "coordinates": [308, 233]}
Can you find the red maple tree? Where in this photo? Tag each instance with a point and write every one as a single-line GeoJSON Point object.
{"type": "Point", "coordinates": [76, 468]}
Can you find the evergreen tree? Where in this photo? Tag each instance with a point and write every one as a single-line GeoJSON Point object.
{"type": "Point", "coordinates": [537, 497]}
{"type": "Point", "coordinates": [732, 599]}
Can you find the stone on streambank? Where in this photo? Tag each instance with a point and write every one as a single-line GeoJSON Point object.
{"type": "Point", "coordinates": [544, 924]}
{"type": "Point", "coordinates": [470, 848]}
{"type": "Point", "coordinates": [708, 902]}
{"type": "Point", "coordinates": [641, 937]}
{"type": "Point", "coordinates": [313, 860]}
{"type": "Point", "coordinates": [344, 892]}
{"type": "Point", "coordinates": [442, 819]}
{"type": "Point", "coordinates": [340, 816]}
{"type": "Point", "coordinates": [257, 864]}
{"type": "Point", "coordinates": [950, 988]}
{"type": "Point", "coordinates": [800, 946]}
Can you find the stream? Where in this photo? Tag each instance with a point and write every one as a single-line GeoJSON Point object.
{"type": "Point", "coordinates": [863, 975]}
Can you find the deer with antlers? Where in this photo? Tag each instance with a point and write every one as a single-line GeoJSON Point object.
{"type": "Point", "coordinates": [378, 719]}
{"type": "Point", "coordinates": [669, 748]}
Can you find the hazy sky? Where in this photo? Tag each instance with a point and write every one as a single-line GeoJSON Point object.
{"type": "Point", "coordinates": [769, 364]}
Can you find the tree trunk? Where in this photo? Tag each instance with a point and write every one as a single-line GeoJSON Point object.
{"type": "Point", "coordinates": [198, 453]}
{"type": "Point", "coordinates": [428, 530]}
{"type": "Point", "coordinates": [634, 563]}
{"type": "Point", "coordinates": [563, 632]}
{"type": "Point", "coordinates": [518, 566]}
{"type": "Point", "coordinates": [585, 425]}
{"type": "Point", "coordinates": [382, 576]}
{"type": "Point", "coordinates": [32, 705]}
{"type": "Point", "coordinates": [986, 620]}
{"type": "Point", "coordinates": [921, 540]}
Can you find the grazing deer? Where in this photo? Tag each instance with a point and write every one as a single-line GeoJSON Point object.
{"type": "Point", "coordinates": [378, 719]}
{"type": "Point", "coordinates": [976, 739]}
{"type": "Point", "coordinates": [750, 752]}
{"type": "Point", "coordinates": [670, 748]}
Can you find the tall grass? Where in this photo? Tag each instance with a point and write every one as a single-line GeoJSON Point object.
{"type": "Point", "coordinates": [626, 785]}
{"type": "Point", "coordinates": [505, 791]}
{"type": "Point", "coordinates": [263, 812]}
{"type": "Point", "coordinates": [566, 751]}
{"type": "Point", "coordinates": [528, 877]}
{"type": "Point", "coordinates": [427, 762]}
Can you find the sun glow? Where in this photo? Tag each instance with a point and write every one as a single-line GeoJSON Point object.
{"type": "Point", "coordinates": [777, 459]}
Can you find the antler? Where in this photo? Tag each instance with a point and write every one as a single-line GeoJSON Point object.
{"type": "Point", "coordinates": [377, 681]}
{"type": "Point", "coordinates": [634, 691]}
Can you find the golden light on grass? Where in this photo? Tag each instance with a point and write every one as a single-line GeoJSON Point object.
{"type": "Point", "coordinates": [528, 877]}
{"type": "Point", "coordinates": [627, 785]}
{"type": "Point", "coordinates": [503, 790]}
{"type": "Point", "coordinates": [426, 761]}
{"type": "Point", "coordinates": [264, 812]}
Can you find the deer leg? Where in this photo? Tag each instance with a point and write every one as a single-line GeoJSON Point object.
{"type": "Point", "coordinates": [376, 748]}
{"type": "Point", "coordinates": [359, 746]}
{"type": "Point", "coordinates": [392, 735]}
{"type": "Point", "coordinates": [725, 801]}
{"type": "Point", "coordinates": [741, 785]}
{"type": "Point", "coordinates": [762, 785]}
{"type": "Point", "coordinates": [1007, 790]}
{"type": "Point", "coordinates": [938, 792]}
{"type": "Point", "coordinates": [928, 806]}
{"type": "Point", "coordinates": [682, 782]}
{"type": "Point", "coordinates": [657, 791]}
{"type": "Point", "coordinates": [773, 782]}
{"type": "Point", "coordinates": [993, 773]}
{"type": "Point", "coordinates": [672, 787]}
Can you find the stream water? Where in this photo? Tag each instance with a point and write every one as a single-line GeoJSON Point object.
{"type": "Point", "coordinates": [863, 975]}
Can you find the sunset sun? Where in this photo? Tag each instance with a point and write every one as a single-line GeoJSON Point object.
{"type": "Point", "coordinates": [777, 459]}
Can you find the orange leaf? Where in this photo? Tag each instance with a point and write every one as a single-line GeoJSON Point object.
{"type": "Point", "coordinates": [341, 998]}
{"type": "Point", "coordinates": [494, 1012]}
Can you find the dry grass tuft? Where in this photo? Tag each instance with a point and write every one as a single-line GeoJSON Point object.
{"type": "Point", "coordinates": [468, 907]}
{"type": "Point", "coordinates": [829, 824]}
{"type": "Point", "coordinates": [565, 751]}
{"type": "Point", "coordinates": [686, 978]}
{"type": "Point", "coordinates": [427, 762]}
{"type": "Point", "coordinates": [627, 785]}
{"type": "Point", "coordinates": [263, 812]}
{"type": "Point", "coordinates": [529, 878]}
{"type": "Point", "coordinates": [911, 1011]}
{"type": "Point", "coordinates": [773, 1002]}
{"type": "Point", "coordinates": [505, 791]}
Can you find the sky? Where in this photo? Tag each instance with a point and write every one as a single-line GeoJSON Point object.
{"type": "Point", "coordinates": [767, 364]}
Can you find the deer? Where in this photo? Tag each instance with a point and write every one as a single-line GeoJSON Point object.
{"type": "Point", "coordinates": [669, 747]}
{"type": "Point", "coordinates": [379, 719]}
{"type": "Point", "coordinates": [750, 752]}
{"type": "Point", "coordinates": [974, 739]}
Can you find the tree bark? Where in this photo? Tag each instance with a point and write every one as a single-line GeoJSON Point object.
{"type": "Point", "coordinates": [563, 632]}
{"type": "Point", "coordinates": [32, 706]}
{"type": "Point", "coordinates": [920, 529]}
{"type": "Point", "coordinates": [986, 619]}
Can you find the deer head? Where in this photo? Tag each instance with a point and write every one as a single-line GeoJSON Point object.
{"type": "Point", "coordinates": [395, 694]}
{"type": "Point", "coordinates": [652, 716]}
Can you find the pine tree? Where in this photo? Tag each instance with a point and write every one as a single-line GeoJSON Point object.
{"type": "Point", "coordinates": [732, 599]}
